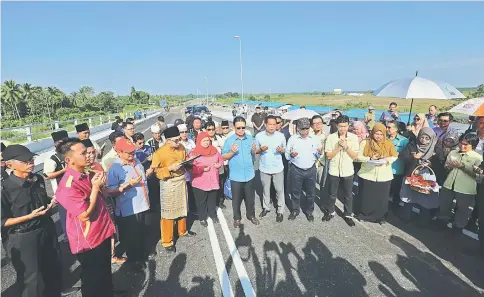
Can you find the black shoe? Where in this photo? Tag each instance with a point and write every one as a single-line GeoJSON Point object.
{"type": "Point", "coordinates": [310, 218]}
{"type": "Point", "coordinates": [190, 234]}
{"type": "Point", "coordinates": [215, 220]}
{"type": "Point", "coordinates": [237, 223]}
{"type": "Point", "coordinates": [70, 291]}
{"type": "Point", "coordinates": [203, 223]}
{"type": "Point", "coordinates": [254, 221]}
{"type": "Point", "coordinates": [170, 249]}
{"type": "Point", "coordinates": [327, 216]}
{"type": "Point", "coordinates": [349, 221]}
{"type": "Point", "coordinates": [293, 215]}
{"type": "Point", "coordinates": [222, 205]}
{"type": "Point", "coordinates": [279, 217]}
{"type": "Point", "coordinates": [263, 213]}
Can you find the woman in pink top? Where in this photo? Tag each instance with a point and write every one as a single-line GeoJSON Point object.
{"type": "Point", "coordinates": [205, 177]}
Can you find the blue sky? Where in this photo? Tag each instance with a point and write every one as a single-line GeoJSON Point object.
{"type": "Point", "coordinates": [168, 47]}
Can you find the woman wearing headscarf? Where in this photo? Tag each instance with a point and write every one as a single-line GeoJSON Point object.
{"type": "Point", "coordinates": [419, 122]}
{"type": "Point", "coordinates": [205, 177]}
{"type": "Point", "coordinates": [375, 179]}
{"type": "Point", "coordinates": [449, 142]}
{"type": "Point", "coordinates": [419, 151]}
{"type": "Point", "coordinates": [360, 130]}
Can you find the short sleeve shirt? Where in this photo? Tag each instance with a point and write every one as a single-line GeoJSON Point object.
{"type": "Point", "coordinates": [73, 194]}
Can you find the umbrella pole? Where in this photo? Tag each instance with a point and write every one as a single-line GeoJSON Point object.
{"type": "Point", "coordinates": [410, 113]}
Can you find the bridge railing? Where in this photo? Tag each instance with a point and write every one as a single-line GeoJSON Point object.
{"type": "Point", "coordinates": [34, 132]}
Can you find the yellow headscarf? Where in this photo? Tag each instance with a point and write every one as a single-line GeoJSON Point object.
{"type": "Point", "coordinates": [383, 148]}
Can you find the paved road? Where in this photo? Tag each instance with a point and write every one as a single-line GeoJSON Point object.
{"type": "Point", "coordinates": [299, 258]}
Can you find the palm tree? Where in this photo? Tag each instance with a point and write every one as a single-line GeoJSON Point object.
{"type": "Point", "coordinates": [11, 94]}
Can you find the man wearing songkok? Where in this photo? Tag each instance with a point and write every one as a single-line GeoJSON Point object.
{"type": "Point", "coordinates": [173, 187]}
{"type": "Point", "coordinates": [83, 132]}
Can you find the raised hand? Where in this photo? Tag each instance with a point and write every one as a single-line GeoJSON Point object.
{"type": "Point", "coordinates": [234, 148]}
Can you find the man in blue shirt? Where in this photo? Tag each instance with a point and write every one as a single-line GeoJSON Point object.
{"type": "Point", "coordinates": [391, 114]}
{"type": "Point", "coordinates": [302, 152]}
{"type": "Point", "coordinates": [400, 142]}
{"type": "Point", "coordinates": [239, 149]}
{"type": "Point", "coordinates": [270, 144]}
{"type": "Point", "coordinates": [126, 181]}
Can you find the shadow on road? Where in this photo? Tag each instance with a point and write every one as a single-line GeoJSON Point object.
{"type": "Point", "coordinates": [424, 271]}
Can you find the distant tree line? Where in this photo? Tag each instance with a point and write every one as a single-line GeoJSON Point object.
{"type": "Point", "coordinates": [26, 103]}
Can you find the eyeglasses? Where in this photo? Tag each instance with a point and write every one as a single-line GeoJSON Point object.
{"type": "Point", "coordinates": [225, 128]}
{"type": "Point", "coordinates": [240, 128]}
{"type": "Point", "coordinates": [183, 132]}
{"type": "Point", "coordinates": [211, 129]}
{"type": "Point", "coordinates": [26, 162]}
{"type": "Point", "coordinates": [445, 121]}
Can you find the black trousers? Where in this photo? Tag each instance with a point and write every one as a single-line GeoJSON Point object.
{"type": "Point", "coordinates": [96, 275]}
{"type": "Point", "coordinates": [333, 185]}
{"type": "Point", "coordinates": [480, 213]}
{"type": "Point", "coordinates": [303, 179]}
{"type": "Point", "coordinates": [395, 187]}
{"type": "Point", "coordinates": [206, 203]}
{"type": "Point", "coordinates": [243, 191]}
{"type": "Point", "coordinates": [192, 205]}
{"type": "Point", "coordinates": [132, 230]}
{"type": "Point", "coordinates": [35, 258]}
{"type": "Point", "coordinates": [221, 181]}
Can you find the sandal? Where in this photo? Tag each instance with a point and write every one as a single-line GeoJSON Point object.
{"type": "Point", "coordinates": [118, 260]}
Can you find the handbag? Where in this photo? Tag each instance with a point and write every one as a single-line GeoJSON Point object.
{"type": "Point", "coordinates": [228, 189]}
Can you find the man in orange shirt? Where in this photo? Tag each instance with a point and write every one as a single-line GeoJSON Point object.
{"type": "Point", "coordinates": [173, 187]}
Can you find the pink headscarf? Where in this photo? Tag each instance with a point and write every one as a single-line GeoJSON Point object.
{"type": "Point", "coordinates": [363, 133]}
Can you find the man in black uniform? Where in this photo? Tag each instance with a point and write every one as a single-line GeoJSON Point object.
{"type": "Point", "coordinates": [32, 241]}
{"type": "Point", "coordinates": [4, 167]}
{"type": "Point", "coordinates": [54, 169]}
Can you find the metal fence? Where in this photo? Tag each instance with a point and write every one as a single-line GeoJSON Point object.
{"type": "Point", "coordinates": [33, 132]}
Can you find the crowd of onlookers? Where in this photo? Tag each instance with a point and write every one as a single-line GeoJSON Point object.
{"type": "Point", "coordinates": [115, 207]}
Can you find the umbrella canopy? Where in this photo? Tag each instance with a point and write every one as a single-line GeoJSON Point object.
{"type": "Point", "coordinates": [298, 114]}
{"type": "Point", "coordinates": [418, 88]}
{"type": "Point", "coordinates": [473, 107]}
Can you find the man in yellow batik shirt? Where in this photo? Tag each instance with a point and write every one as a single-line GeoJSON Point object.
{"type": "Point", "coordinates": [173, 187]}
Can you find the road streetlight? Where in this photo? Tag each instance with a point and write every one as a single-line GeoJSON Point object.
{"type": "Point", "coordinates": [240, 54]}
{"type": "Point", "coordinates": [206, 90]}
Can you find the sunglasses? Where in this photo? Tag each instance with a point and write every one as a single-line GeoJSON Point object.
{"type": "Point", "coordinates": [183, 131]}
{"type": "Point", "coordinates": [225, 127]}
{"type": "Point", "coordinates": [211, 129]}
{"type": "Point", "coordinates": [240, 128]}
{"type": "Point", "coordinates": [445, 121]}
{"type": "Point", "coordinates": [175, 140]}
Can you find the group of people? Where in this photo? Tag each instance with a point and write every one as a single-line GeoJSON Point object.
{"type": "Point", "coordinates": [106, 198]}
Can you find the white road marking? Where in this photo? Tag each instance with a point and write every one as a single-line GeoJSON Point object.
{"type": "Point", "coordinates": [239, 265]}
{"type": "Point", "coordinates": [223, 276]}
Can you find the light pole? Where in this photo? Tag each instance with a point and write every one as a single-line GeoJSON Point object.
{"type": "Point", "coordinates": [206, 90]}
{"type": "Point", "coordinates": [240, 54]}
